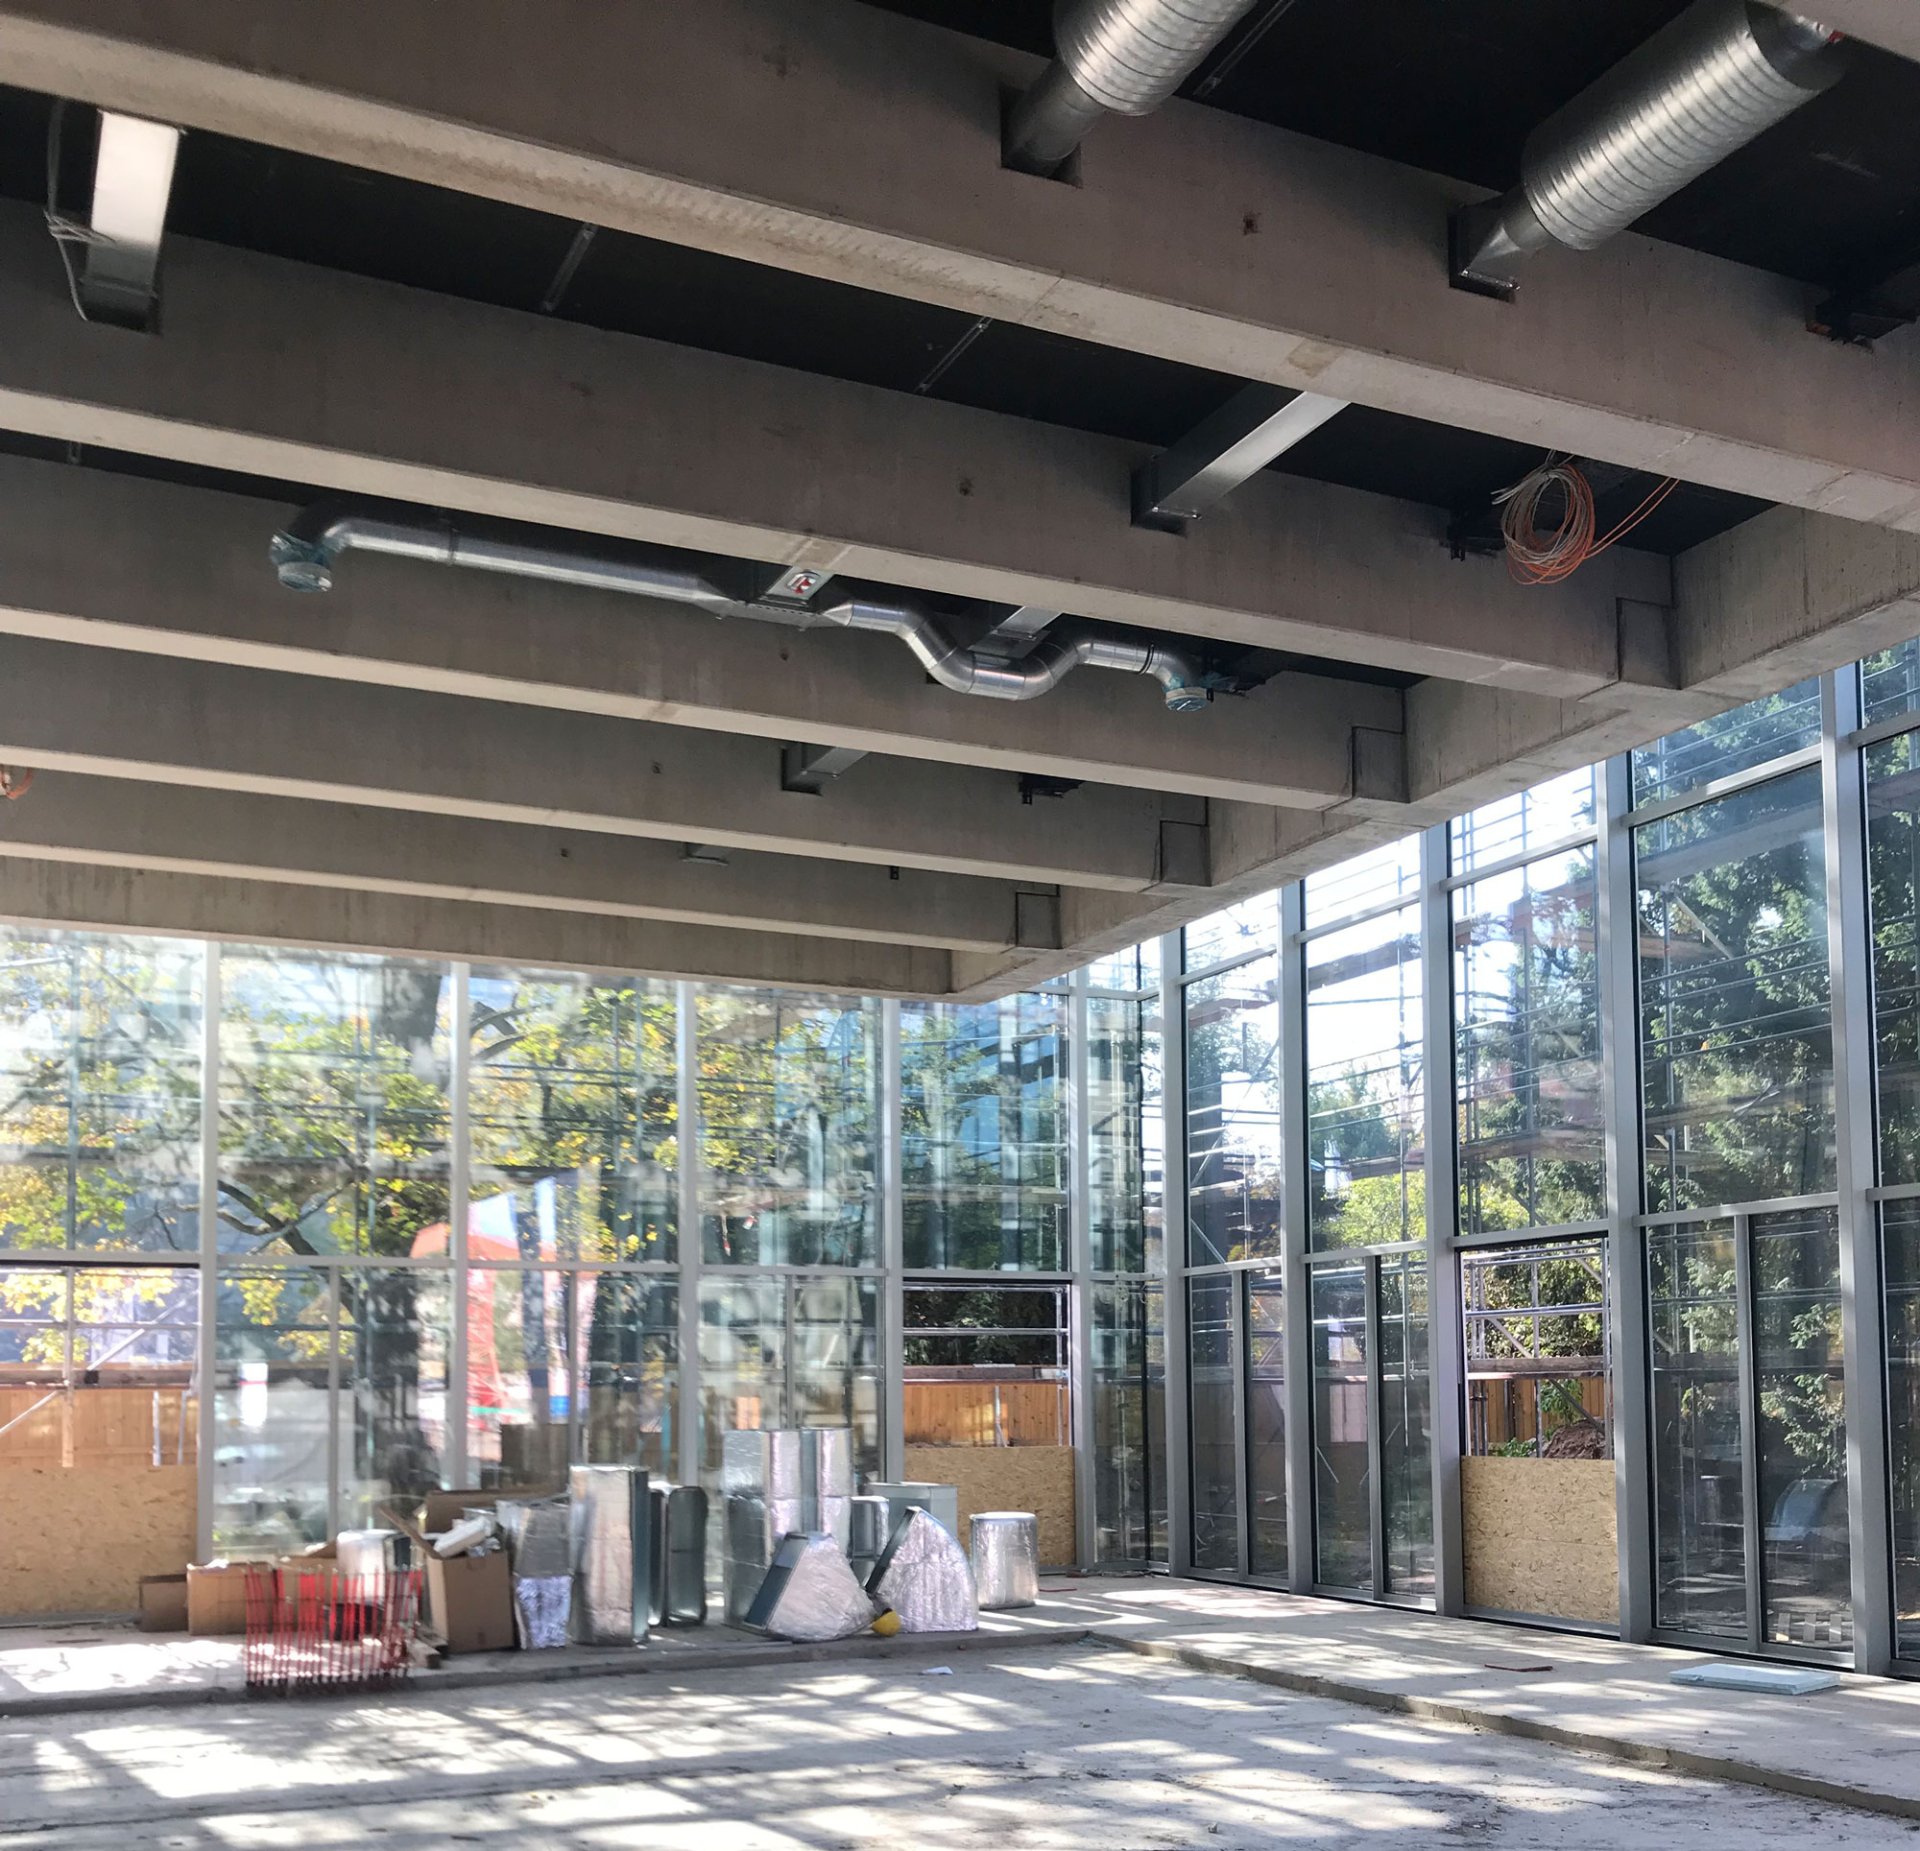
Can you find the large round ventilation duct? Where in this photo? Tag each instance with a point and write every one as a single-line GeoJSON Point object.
{"type": "Point", "coordinates": [1699, 90]}
{"type": "Point", "coordinates": [1119, 57]}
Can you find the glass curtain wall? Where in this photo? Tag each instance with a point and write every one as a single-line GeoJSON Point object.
{"type": "Point", "coordinates": [385, 1224]}
{"type": "Point", "coordinates": [1681, 1219]}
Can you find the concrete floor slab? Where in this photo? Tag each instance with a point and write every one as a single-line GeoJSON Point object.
{"type": "Point", "coordinates": [1858, 1745]}
{"type": "Point", "coordinates": [1082, 1745]}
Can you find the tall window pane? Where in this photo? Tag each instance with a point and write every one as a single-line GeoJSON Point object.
{"type": "Point", "coordinates": [1342, 1425]}
{"type": "Point", "coordinates": [1800, 1453]}
{"type": "Point", "coordinates": [983, 1135]}
{"type": "Point", "coordinates": [1365, 1070]}
{"type": "Point", "coordinates": [1737, 1057]}
{"type": "Point", "coordinates": [1527, 1069]}
{"type": "Point", "coordinates": [1893, 885]}
{"type": "Point", "coordinates": [1406, 1428]}
{"type": "Point", "coordinates": [333, 1103]}
{"type": "Point", "coordinates": [1130, 1421]}
{"type": "Point", "coordinates": [1267, 1424]}
{"type": "Point", "coordinates": [1901, 1223]}
{"type": "Point", "coordinates": [1212, 1384]}
{"type": "Point", "coordinates": [1699, 1449]}
{"type": "Point", "coordinates": [1233, 1114]}
{"type": "Point", "coordinates": [789, 1118]}
{"type": "Point", "coordinates": [1729, 742]}
{"type": "Point", "coordinates": [100, 1059]}
{"type": "Point", "coordinates": [574, 1114]}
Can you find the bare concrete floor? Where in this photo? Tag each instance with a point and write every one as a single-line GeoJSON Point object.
{"type": "Point", "coordinates": [1076, 1746]}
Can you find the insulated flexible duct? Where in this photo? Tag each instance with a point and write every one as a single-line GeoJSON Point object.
{"type": "Point", "coordinates": [304, 553]}
{"type": "Point", "coordinates": [1124, 57]}
{"type": "Point", "coordinates": [1699, 90]}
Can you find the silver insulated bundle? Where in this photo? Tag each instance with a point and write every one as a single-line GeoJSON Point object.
{"type": "Point", "coordinates": [613, 1583]}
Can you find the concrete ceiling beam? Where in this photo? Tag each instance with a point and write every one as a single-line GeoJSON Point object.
{"type": "Point", "coordinates": [187, 576]}
{"type": "Point", "coordinates": [213, 727]}
{"type": "Point", "coordinates": [285, 371]}
{"type": "Point", "coordinates": [116, 822]}
{"type": "Point", "coordinates": [260, 912]}
{"type": "Point", "coordinates": [846, 143]}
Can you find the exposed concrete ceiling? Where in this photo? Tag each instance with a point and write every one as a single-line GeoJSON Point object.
{"type": "Point", "coordinates": [444, 761]}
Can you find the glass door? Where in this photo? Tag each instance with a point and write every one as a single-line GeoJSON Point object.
{"type": "Point", "coordinates": [1372, 1428]}
{"type": "Point", "coordinates": [1749, 1433]}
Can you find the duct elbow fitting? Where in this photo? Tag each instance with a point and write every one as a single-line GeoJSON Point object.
{"type": "Point", "coordinates": [301, 564]}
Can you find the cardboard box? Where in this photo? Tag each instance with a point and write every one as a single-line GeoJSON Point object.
{"type": "Point", "coordinates": [470, 1601]}
{"type": "Point", "coordinates": [217, 1598]}
{"type": "Point", "coordinates": [439, 1511]}
{"type": "Point", "coordinates": [163, 1603]}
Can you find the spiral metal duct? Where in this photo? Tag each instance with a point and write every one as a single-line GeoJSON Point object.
{"type": "Point", "coordinates": [1699, 90]}
{"type": "Point", "coordinates": [1120, 57]}
{"type": "Point", "coordinates": [304, 552]}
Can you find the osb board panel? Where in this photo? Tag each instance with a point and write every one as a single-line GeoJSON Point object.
{"type": "Point", "coordinates": [1540, 1537]}
{"type": "Point", "coordinates": [1035, 1478]}
{"type": "Point", "coordinates": [78, 1540]}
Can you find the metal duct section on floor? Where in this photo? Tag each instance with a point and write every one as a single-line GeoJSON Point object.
{"type": "Point", "coordinates": [1699, 90]}
{"type": "Point", "coordinates": [305, 552]}
{"type": "Point", "coordinates": [1119, 57]}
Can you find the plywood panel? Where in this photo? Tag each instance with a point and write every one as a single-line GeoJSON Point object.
{"type": "Point", "coordinates": [78, 1540]}
{"type": "Point", "coordinates": [1540, 1537]}
{"type": "Point", "coordinates": [1035, 1478]}
{"type": "Point", "coordinates": [985, 1413]}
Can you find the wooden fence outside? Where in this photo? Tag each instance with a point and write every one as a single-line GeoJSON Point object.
{"type": "Point", "coordinates": [987, 1413]}
{"type": "Point", "coordinates": [85, 1426]}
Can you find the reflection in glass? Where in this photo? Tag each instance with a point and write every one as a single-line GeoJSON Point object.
{"type": "Point", "coordinates": [320, 1363]}
{"type": "Point", "coordinates": [1801, 1450]}
{"type": "Point", "coordinates": [1129, 1423]}
{"type": "Point", "coordinates": [1406, 1421]}
{"type": "Point", "coordinates": [100, 1059]}
{"type": "Point", "coordinates": [1893, 888]}
{"type": "Point", "coordinates": [1266, 1425]}
{"type": "Point", "coordinates": [333, 1102]}
{"type": "Point", "coordinates": [1212, 1385]}
{"type": "Point", "coordinates": [1342, 1419]}
{"type": "Point", "coordinates": [1365, 1071]}
{"type": "Point", "coordinates": [1737, 1056]}
{"type": "Point", "coordinates": [1377, 878]}
{"type": "Point", "coordinates": [1890, 682]}
{"type": "Point", "coordinates": [796, 1350]}
{"type": "Point", "coordinates": [568, 1368]}
{"type": "Point", "coordinates": [1510, 826]}
{"type": "Point", "coordinates": [1901, 1224]}
{"type": "Point", "coordinates": [983, 1134]}
{"type": "Point", "coordinates": [1699, 1509]}
{"type": "Point", "coordinates": [574, 1115]}
{"type": "Point", "coordinates": [1250, 925]}
{"type": "Point", "coordinates": [1135, 971]}
{"type": "Point", "coordinates": [1729, 742]}
{"type": "Point", "coordinates": [1527, 1066]}
{"type": "Point", "coordinates": [1233, 1114]}
{"type": "Point", "coordinates": [789, 1110]}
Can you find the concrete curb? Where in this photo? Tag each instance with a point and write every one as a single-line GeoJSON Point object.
{"type": "Point", "coordinates": [537, 1669]}
{"type": "Point", "coordinates": [1500, 1722]}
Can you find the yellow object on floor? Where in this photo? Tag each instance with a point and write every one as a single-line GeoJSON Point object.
{"type": "Point", "coordinates": [887, 1624]}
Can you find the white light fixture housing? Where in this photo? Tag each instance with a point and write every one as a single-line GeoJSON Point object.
{"type": "Point", "coordinates": [132, 181]}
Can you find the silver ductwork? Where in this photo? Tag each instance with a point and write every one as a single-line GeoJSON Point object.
{"type": "Point", "coordinates": [1699, 90]}
{"type": "Point", "coordinates": [1120, 57]}
{"type": "Point", "coordinates": [306, 550]}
